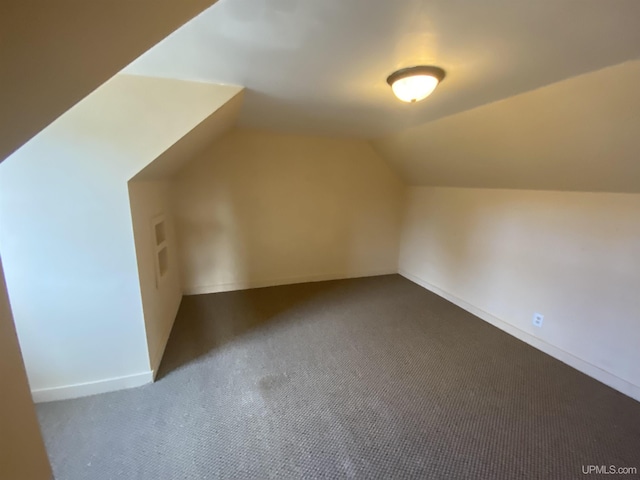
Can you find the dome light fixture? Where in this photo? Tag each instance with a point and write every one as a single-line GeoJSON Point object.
{"type": "Point", "coordinates": [415, 83]}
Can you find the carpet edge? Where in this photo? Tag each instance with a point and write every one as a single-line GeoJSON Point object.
{"type": "Point", "coordinates": [597, 373]}
{"type": "Point", "coordinates": [233, 286]}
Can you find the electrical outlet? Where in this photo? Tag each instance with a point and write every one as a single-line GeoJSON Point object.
{"type": "Point", "coordinates": [537, 320]}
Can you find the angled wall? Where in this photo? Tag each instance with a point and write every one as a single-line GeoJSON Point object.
{"type": "Point", "coordinates": [22, 451]}
{"type": "Point", "coordinates": [53, 54]}
{"type": "Point", "coordinates": [154, 230]}
{"type": "Point", "coordinates": [36, 88]}
{"type": "Point", "coordinates": [260, 208]}
{"type": "Point", "coordinates": [67, 240]}
{"type": "Point", "coordinates": [157, 259]}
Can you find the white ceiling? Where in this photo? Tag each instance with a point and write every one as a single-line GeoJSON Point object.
{"type": "Point", "coordinates": [320, 66]}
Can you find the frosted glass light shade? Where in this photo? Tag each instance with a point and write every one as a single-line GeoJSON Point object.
{"type": "Point", "coordinates": [414, 89]}
{"type": "Point", "coordinates": [415, 83]}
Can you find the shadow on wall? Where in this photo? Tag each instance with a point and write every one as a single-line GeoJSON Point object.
{"type": "Point", "coordinates": [475, 250]}
{"type": "Point", "coordinates": [449, 237]}
{"type": "Point", "coordinates": [260, 209]}
{"type": "Point", "coordinates": [478, 249]}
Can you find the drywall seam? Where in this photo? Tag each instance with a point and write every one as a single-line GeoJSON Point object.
{"type": "Point", "coordinates": [597, 373]}
{"type": "Point", "coordinates": [155, 362]}
{"type": "Point", "coordinates": [91, 388]}
{"type": "Point", "coordinates": [230, 287]}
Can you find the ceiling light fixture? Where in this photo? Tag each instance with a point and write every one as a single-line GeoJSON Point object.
{"type": "Point", "coordinates": [415, 83]}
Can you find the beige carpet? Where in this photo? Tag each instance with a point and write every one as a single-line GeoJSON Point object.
{"type": "Point", "coordinates": [365, 378]}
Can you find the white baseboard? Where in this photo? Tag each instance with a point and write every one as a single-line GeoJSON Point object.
{"type": "Point", "coordinates": [91, 388]}
{"type": "Point", "coordinates": [155, 362]}
{"type": "Point", "coordinates": [230, 287]}
{"type": "Point", "coordinates": [608, 378]}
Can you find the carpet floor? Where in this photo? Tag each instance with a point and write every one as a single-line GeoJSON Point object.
{"type": "Point", "coordinates": [365, 378]}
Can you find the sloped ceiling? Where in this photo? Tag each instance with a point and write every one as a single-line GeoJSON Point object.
{"type": "Point", "coordinates": [54, 53]}
{"type": "Point", "coordinates": [579, 134]}
{"type": "Point", "coordinates": [195, 141]}
{"type": "Point", "coordinates": [68, 185]}
{"type": "Point", "coordinates": [320, 66]}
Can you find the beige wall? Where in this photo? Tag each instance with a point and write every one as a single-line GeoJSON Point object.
{"type": "Point", "coordinates": [505, 254]}
{"type": "Point", "coordinates": [22, 453]}
{"type": "Point", "coordinates": [263, 208]}
{"type": "Point", "coordinates": [160, 296]}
